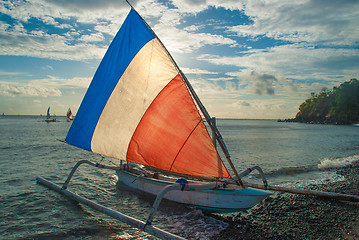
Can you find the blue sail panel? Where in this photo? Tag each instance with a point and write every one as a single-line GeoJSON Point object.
{"type": "Point", "coordinates": [131, 37]}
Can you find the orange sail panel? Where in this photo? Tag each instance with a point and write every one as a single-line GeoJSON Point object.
{"type": "Point", "coordinates": [172, 136]}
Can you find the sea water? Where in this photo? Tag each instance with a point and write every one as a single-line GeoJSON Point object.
{"type": "Point", "coordinates": [290, 154]}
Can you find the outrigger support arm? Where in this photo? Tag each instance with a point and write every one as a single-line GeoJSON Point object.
{"type": "Point", "coordinates": [66, 183]}
{"type": "Point", "coordinates": [177, 186]}
{"type": "Point", "coordinates": [261, 173]}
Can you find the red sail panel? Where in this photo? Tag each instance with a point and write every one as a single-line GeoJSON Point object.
{"type": "Point", "coordinates": [69, 113]}
{"type": "Point", "coordinates": [172, 136]}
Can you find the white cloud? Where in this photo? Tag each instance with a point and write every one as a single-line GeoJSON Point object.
{"type": "Point", "coordinates": [106, 18]}
{"type": "Point", "coordinates": [46, 46]}
{"type": "Point", "coordinates": [52, 86]}
{"type": "Point", "coordinates": [295, 62]}
{"type": "Point", "coordinates": [195, 6]}
{"type": "Point", "coordinates": [181, 41]}
{"type": "Point", "coordinates": [244, 103]}
{"type": "Point", "coordinates": [87, 4]}
{"type": "Point", "coordinates": [197, 71]}
{"type": "Point", "coordinates": [4, 73]}
{"type": "Point", "coordinates": [16, 37]}
{"type": "Point", "coordinates": [28, 90]}
{"type": "Point", "coordinates": [48, 67]}
{"type": "Point", "coordinates": [226, 79]}
{"type": "Point", "coordinates": [63, 83]}
{"type": "Point", "coordinates": [318, 22]}
{"type": "Point", "coordinates": [95, 37]}
{"type": "Point", "coordinates": [190, 5]}
{"type": "Point", "coordinates": [263, 83]}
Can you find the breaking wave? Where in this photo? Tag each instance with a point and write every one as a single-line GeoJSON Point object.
{"type": "Point", "coordinates": [323, 165]}
{"type": "Point", "coordinates": [333, 163]}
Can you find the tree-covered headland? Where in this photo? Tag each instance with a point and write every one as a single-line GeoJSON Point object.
{"type": "Point", "coordinates": [338, 106]}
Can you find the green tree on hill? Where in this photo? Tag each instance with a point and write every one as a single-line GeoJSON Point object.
{"type": "Point", "coordinates": [346, 101]}
{"type": "Point", "coordinates": [341, 105]}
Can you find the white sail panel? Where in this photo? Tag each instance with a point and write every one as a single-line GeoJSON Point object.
{"type": "Point", "coordinates": [130, 39]}
{"type": "Point", "coordinates": [152, 70]}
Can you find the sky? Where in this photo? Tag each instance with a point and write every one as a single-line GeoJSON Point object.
{"type": "Point", "coordinates": [247, 59]}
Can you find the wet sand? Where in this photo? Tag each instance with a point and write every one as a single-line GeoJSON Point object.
{"type": "Point", "coordinates": [290, 216]}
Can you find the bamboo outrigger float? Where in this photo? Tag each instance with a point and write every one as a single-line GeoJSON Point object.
{"type": "Point", "coordinates": [112, 213]}
{"type": "Point", "coordinates": [141, 108]}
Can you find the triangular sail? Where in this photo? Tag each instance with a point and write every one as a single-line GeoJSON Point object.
{"type": "Point", "coordinates": [138, 108]}
{"type": "Point", "coordinates": [48, 113]}
{"type": "Point", "coordinates": [69, 114]}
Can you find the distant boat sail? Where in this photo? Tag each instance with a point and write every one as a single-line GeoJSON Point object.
{"type": "Point", "coordinates": [69, 115]}
{"type": "Point", "coordinates": [138, 108]}
{"type": "Point", "coordinates": [48, 116]}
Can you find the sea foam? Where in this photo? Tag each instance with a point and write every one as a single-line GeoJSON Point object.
{"type": "Point", "coordinates": [330, 163]}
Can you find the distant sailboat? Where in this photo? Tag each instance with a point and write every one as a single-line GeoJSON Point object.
{"type": "Point", "coordinates": [48, 117]}
{"type": "Point", "coordinates": [69, 115]}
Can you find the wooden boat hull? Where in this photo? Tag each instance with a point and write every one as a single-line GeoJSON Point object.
{"type": "Point", "coordinates": [221, 200]}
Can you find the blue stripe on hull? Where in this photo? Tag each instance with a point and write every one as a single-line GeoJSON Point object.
{"type": "Point", "coordinates": [122, 50]}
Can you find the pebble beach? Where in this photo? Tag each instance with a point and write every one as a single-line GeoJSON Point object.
{"type": "Point", "coordinates": [291, 216]}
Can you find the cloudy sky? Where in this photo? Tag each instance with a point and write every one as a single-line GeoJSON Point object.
{"type": "Point", "coordinates": [245, 58]}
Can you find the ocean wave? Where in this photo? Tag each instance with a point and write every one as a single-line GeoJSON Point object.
{"type": "Point", "coordinates": [325, 164]}
{"type": "Point", "coordinates": [333, 163]}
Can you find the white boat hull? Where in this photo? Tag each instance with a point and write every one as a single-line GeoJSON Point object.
{"type": "Point", "coordinates": [216, 200]}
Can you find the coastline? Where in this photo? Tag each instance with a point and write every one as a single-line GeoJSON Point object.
{"type": "Point", "coordinates": [291, 216]}
{"type": "Point", "coordinates": [330, 121]}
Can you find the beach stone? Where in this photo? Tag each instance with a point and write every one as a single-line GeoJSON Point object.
{"type": "Point", "coordinates": [289, 216]}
